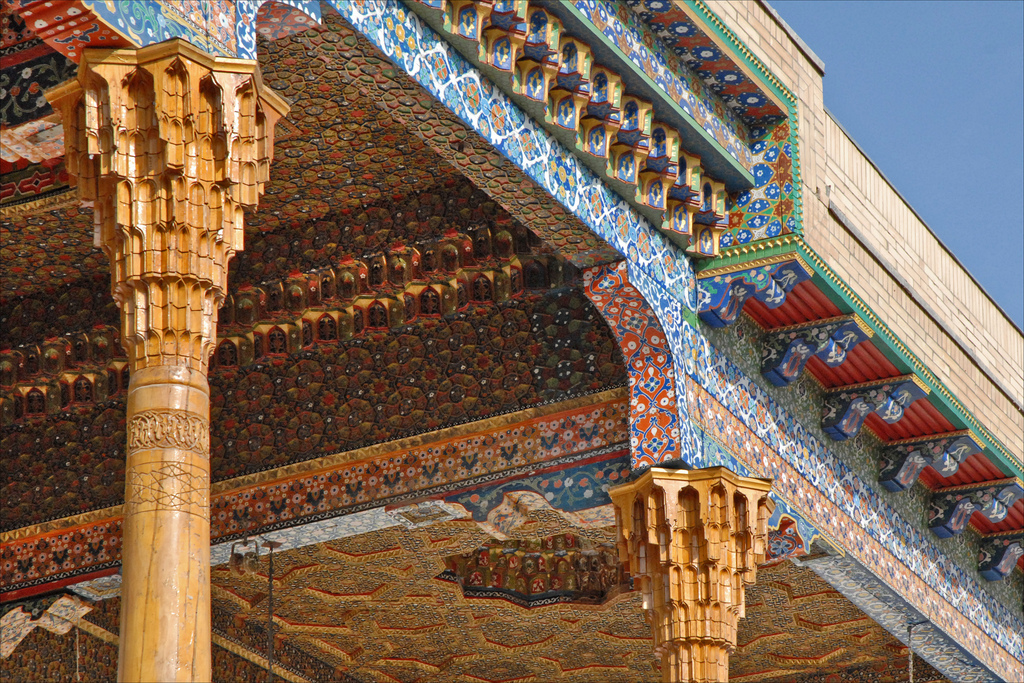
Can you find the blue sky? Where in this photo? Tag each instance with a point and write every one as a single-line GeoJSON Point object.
{"type": "Point", "coordinates": [934, 93]}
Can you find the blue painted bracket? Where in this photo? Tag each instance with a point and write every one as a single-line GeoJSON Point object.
{"type": "Point", "coordinates": [721, 297]}
{"type": "Point", "coordinates": [902, 462]}
{"type": "Point", "coordinates": [847, 408]}
{"type": "Point", "coordinates": [787, 350]}
{"type": "Point", "coordinates": [952, 508]}
{"type": "Point", "coordinates": [998, 554]}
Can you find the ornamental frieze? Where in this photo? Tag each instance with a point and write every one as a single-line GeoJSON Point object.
{"type": "Point", "coordinates": [168, 429]}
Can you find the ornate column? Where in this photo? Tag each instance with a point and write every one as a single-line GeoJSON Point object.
{"type": "Point", "coordinates": [167, 144]}
{"type": "Point", "coordinates": [693, 539]}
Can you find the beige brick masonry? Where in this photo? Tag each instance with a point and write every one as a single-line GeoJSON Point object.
{"type": "Point", "coordinates": [868, 234]}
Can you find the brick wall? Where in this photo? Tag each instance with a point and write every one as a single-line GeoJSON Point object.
{"type": "Point", "coordinates": [878, 245]}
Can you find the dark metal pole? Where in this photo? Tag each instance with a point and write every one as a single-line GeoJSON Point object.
{"type": "Point", "coordinates": [910, 651]}
{"type": "Point", "coordinates": [910, 648]}
{"type": "Point", "coordinates": [270, 610]}
{"type": "Point", "coordinates": [270, 621]}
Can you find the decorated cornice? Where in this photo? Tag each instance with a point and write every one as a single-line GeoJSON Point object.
{"type": "Point", "coordinates": [722, 294]}
{"type": "Point", "coordinates": [940, 394]}
{"type": "Point", "coordinates": [745, 56]}
{"type": "Point", "coordinates": [742, 258]}
{"type": "Point", "coordinates": [691, 28]}
{"type": "Point", "coordinates": [760, 438]}
{"type": "Point", "coordinates": [633, 49]}
{"type": "Point", "coordinates": [528, 53]}
{"type": "Point", "coordinates": [787, 348]}
{"type": "Point", "coordinates": [762, 252]}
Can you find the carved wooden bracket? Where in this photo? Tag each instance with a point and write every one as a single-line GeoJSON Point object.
{"type": "Point", "coordinates": [693, 540]}
{"type": "Point", "coordinates": [846, 408]}
{"type": "Point", "coordinates": [787, 350]}
{"type": "Point", "coordinates": [999, 553]}
{"type": "Point", "coordinates": [952, 507]}
{"type": "Point", "coordinates": [902, 461]}
{"type": "Point", "coordinates": [168, 144]}
{"type": "Point", "coordinates": [721, 295]}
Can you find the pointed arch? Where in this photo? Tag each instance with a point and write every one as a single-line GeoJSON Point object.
{"type": "Point", "coordinates": [654, 422]}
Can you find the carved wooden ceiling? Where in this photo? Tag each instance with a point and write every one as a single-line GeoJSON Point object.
{"type": "Point", "coordinates": [369, 254]}
{"type": "Point", "coordinates": [338, 155]}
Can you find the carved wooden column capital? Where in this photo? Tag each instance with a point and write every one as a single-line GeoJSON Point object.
{"type": "Point", "coordinates": [168, 143]}
{"type": "Point", "coordinates": [693, 540]}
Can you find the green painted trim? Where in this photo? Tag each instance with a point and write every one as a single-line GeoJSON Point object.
{"type": "Point", "coordinates": [691, 317]}
{"type": "Point", "coordinates": [596, 33]}
{"type": "Point", "coordinates": [770, 82]}
{"type": "Point", "coordinates": [798, 184]}
{"type": "Point", "coordinates": [843, 296]}
{"type": "Point", "coordinates": [898, 352]}
{"type": "Point", "coordinates": [827, 280]}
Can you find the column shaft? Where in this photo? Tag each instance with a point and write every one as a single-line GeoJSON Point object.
{"type": "Point", "coordinates": [165, 592]}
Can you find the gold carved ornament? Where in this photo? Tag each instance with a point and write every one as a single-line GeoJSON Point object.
{"type": "Point", "coordinates": [178, 429]}
{"type": "Point", "coordinates": [692, 540]}
{"type": "Point", "coordinates": [168, 144]}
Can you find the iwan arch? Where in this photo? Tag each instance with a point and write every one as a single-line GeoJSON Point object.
{"type": "Point", "coordinates": [536, 341]}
